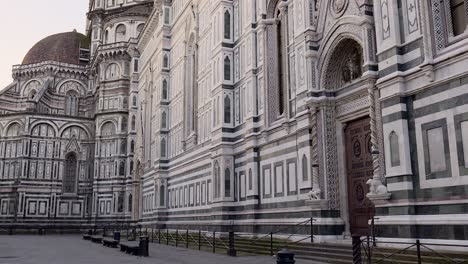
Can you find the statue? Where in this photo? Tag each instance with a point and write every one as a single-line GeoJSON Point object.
{"type": "Point", "coordinates": [314, 194]}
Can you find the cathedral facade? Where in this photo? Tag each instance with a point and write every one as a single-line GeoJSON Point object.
{"type": "Point", "coordinates": [245, 115]}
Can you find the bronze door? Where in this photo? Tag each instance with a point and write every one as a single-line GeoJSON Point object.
{"type": "Point", "coordinates": [359, 170]}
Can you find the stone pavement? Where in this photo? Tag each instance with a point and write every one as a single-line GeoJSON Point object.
{"type": "Point", "coordinates": [71, 249]}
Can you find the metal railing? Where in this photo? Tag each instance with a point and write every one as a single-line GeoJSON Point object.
{"type": "Point", "coordinates": [417, 251]}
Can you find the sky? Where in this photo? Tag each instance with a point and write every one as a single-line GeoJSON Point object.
{"type": "Point", "coordinates": [25, 22]}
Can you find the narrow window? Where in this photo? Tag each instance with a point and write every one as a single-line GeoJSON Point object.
{"type": "Point", "coordinates": [164, 120]}
{"type": "Point", "coordinates": [227, 110]}
{"type": "Point", "coordinates": [166, 16]}
{"type": "Point", "coordinates": [122, 168]}
{"type": "Point", "coordinates": [69, 179]}
{"type": "Point", "coordinates": [227, 69]}
{"type": "Point", "coordinates": [227, 25]}
{"type": "Point", "coordinates": [124, 125]}
{"type": "Point", "coordinates": [130, 202]}
{"type": "Point", "coordinates": [133, 123]}
{"type": "Point", "coordinates": [305, 169]}
{"type": "Point", "coordinates": [163, 147]}
{"type": "Point", "coordinates": [394, 149]}
{"type": "Point", "coordinates": [164, 90]}
{"type": "Point", "coordinates": [250, 180]}
{"type": "Point", "coordinates": [227, 183]}
{"type": "Point", "coordinates": [162, 195]}
{"type": "Point", "coordinates": [166, 61]}
{"type": "Point", "coordinates": [132, 146]}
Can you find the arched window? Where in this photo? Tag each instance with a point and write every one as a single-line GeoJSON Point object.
{"type": "Point", "coordinates": [131, 167]}
{"type": "Point", "coordinates": [165, 93]}
{"type": "Point", "coordinates": [394, 149]}
{"type": "Point", "coordinates": [345, 66]}
{"type": "Point", "coordinates": [134, 101]}
{"type": "Point", "coordinates": [106, 37]}
{"type": "Point", "coordinates": [163, 147]}
{"type": "Point", "coordinates": [69, 179]}
{"type": "Point", "coordinates": [122, 168]}
{"type": "Point", "coordinates": [227, 110]}
{"type": "Point", "coordinates": [132, 146]}
{"type": "Point", "coordinates": [120, 33]}
{"type": "Point", "coordinates": [133, 123]}
{"type": "Point", "coordinates": [164, 120]}
{"type": "Point", "coordinates": [227, 25]}
{"type": "Point", "coordinates": [305, 169]}
{"type": "Point", "coordinates": [162, 195]}
{"type": "Point", "coordinates": [227, 183]}
{"type": "Point", "coordinates": [227, 69]}
{"type": "Point", "coordinates": [71, 104]}
{"type": "Point", "coordinates": [140, 29]}
{"type": "Point", "coordinates": [130, 202]}
{"type": "Point", "coordinates": [32, 94]}
{"type": "Point", "coordinates": [459, 16]}
{"type": "Point", "coordinates": [112, 71]}
{"type": "Point", "coordinates": [166, 61]}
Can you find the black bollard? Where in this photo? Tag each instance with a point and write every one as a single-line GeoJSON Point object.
{"type": "Point", "coordinates": [144, 246]}
{"type": "Point", "coordinates": [284, 256]}
{"type": "Point", "coordinates": [117, 235]}
{"type": "Point", "coordinates": [231, 250]}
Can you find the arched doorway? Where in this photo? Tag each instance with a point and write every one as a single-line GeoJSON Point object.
{"type": "Point", "coordinates": [343, 70]}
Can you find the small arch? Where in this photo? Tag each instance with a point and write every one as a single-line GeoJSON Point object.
{"type": "Point", "coordinates": [13, 130]}
{"type": "Point", "coordinates": [112, 71]}
{"type": "Point", "coordinates": [108, 129]}
{"type": "Point", "coordinates": [140, 28]}
{"type": "Point", "coordinates": [344, 64]}
{"type": "Point", "coordinates": [32, 94]}
{"type": "Point", "coordinates": [74, 130]}
{"type": "Point", "coordinates": [120, 33]}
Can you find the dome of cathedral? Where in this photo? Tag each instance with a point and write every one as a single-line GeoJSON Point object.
{"type": "Point", "coordinates": [68, 47]}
